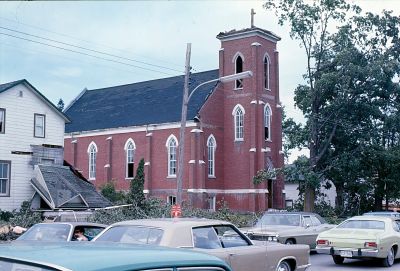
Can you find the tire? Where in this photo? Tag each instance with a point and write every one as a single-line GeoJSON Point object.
{"type": "Point", "coordinates": [337, 259]}
{"type": "Point", "coordinates": [290, 241]}
{"type": "Point", "coordinates": [284, 266]}
{"type": "Point", "coordinates": [389, 260]}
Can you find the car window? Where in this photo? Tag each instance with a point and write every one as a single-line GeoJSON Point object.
{"type": "Point", "coordinates": [92, 231]}
{"type": "Point", "coordinates": [315, 221]}
{"type": "Point", "coordinates": [363, 224]}
{"type": "Point", "coordinates": [132, 234]}
{"type": "Point", "coordinates": [206, 237]}
{"type": "Point", "coordinates": [279, 219]}
{"type": "Point", "coordinates": [307, 221]}
{"type": "Point", "coordinates": [230, 237]}
{"type": "Point", "coordinates": [47, 232]}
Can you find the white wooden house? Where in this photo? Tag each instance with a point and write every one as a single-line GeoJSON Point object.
{"type": "Point", "coordinates": [31, 133]}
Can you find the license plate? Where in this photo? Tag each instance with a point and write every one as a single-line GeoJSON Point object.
{"type": "Point", "coordinates": [346, 253]}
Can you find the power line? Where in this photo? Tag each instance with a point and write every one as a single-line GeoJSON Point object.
{"type": "Point", "coordinates": [87, 41]}
{"type": "Point", "coordinates": [86, 54]}
{"type": "Point", "coordinates": [91, 50]}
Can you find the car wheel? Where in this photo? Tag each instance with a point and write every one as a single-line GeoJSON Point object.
{"type": "Point", "coordinates": [290, 242]}
{"type": "Point", "coordinates": [337, 259]}
{"type": "Point", "coordinates": [283, 266]}
{"type": "Point", "coordinates": [389, 260]}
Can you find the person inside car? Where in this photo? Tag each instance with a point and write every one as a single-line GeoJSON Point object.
{"type": "Point", "coordinates": [79, 234]}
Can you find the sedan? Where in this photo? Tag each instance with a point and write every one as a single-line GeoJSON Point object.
{"type": "Point", "coordinates": [89, 256]}
{"type": "Point", "coordinates": [288, 228]}
{"type": "Point", "coordinates": [61, 231]}
{"type": "Point", "coordinates": [362, 237]}
{"type": "Point", "coordinates": [215, 237]}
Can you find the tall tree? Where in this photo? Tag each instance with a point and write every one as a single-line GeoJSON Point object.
{"type": "Point", "coordinates": [60, 104]}
{"type": "Point", "coordinates": [136, 194]}
{"type": "Point", "coordinates": [349, 75]}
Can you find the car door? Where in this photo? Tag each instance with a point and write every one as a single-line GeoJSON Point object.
{"type": "Point", "coordinates": [227, 243]}
{"type": "Point", "coordinates": [310, 231]}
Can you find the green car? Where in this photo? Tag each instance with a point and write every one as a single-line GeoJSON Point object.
{"type": "Point", "coordinates": [362, 237]}
{"type": "Point", "coordinates": [89, 256]}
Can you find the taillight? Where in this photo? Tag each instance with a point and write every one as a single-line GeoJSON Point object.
{"type": "Point", "coordinates": [370, 245]}
{"type": "Point", "coordinates": [322, 242]}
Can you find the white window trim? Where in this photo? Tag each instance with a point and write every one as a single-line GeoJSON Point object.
{"type": "Point", "coordinates": [167, 144]}
{"type": "Point", "coordinates": [234, 113]}
{"type": "Point", "coordinates": [267, 106]}
{"type": "Point", "coordinates": [92, 144]}
{"type": "Point", "coordinates": [266, 56]}
{"type": "Point", "coordinates": [8, 180]}
{"type": "Point", "coordinates": [212, 200]}
{"type": "Point", "coordinates": [211, 137]}
{"type": "Point", "coordinates": [3, 121]}
{"type": "Point", "coordinates": [130, 140]}
{"type": "Point", "coordinates": [35, 124]}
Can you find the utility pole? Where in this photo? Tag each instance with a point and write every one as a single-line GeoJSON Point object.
{"type": "Point", "coordinates": [181, 144]}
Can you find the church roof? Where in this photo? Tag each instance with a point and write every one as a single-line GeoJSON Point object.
{"type": "Point", "coordinates": [150, 102]}
{"type": "Point", "coordinates": [236, 34]}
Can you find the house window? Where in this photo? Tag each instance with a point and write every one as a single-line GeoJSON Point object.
{"type": "Point", "coordinates": [266, 72]}
{"type": "Point", "coordinates": [40, 125]}
{"type": "Point", "coordinates": [289, 203]}
{"type": "Point", "coordinates": [239, 69]}
{"type": "Point", "coordinates": [5, 167]}
{"type": "Point", "coordinates": [171, 145]}
{"type": "Point", "coordinates": [2, 121]}
{"type": "Point", "coordinates": [92, 151]}
{"type": "Point", "coordinates": [171, 200]}
{"type": "Point", "coordinates": [211, 145]}
{"type": "Point", "coordinates": [130, 155]}
{"type": "Point", "coordinates": [238, 114]}
{"type": "Point", "coordinates": [267, 123]}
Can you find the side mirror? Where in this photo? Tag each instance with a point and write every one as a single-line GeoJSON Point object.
{"type": "Point", "coordinates": [307, 226]}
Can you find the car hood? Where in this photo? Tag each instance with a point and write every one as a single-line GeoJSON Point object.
{"type": "Point", "coordinates": [357, 234]}
{"type": "Point", "coordinates": [270, 229]}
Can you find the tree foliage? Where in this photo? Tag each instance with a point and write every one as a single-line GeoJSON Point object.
{"type": "Point", "coordinates": [350, 98]}
{"type": "Point", "coordinates": [136, 194]}
{"type": "Point", "coordinates": [60, 104]}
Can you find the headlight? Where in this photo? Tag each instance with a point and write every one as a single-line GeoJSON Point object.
{"type": "Point", "coordinates": [272, 238]}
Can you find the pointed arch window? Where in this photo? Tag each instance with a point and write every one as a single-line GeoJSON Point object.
{"type": "Point", "coordinates": [172, 144]}
{"type": "Point", "coordinates": [211, 146]}
{"type": "Point", "coordinates": [129, 156]}
{"type": "Point", "coordinates": [266, 72]}
{"type": "Point", "coordinates": [238, 115]}
{"type": "Point", "coordinates": [92, 152]}
{"type": "Point", "coordinates": [267, 123]}
{"type": "Point", "coordinates": [239, 69]}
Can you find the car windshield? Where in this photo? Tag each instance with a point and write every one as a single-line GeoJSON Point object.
{"type": "Point", "coordinates": [47, 232]}
{"type": "Point", "coordinates": [279, 219]}
{"type": "Point", "coordinates": [363, 224]}
{"type": "Point", "coordinates": [132, 234]}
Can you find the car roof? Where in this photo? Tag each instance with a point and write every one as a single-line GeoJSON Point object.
{"type": "Point", "coordinates": [373, 217]}
{"type": "Point", "coordinates": [173, 222]}
{"type": "Point", "coordinates": [289, 213]}
{"type": "Point", "coordinates": [84, 224]}
{"type": "Point", "coordinates": [90, 256]}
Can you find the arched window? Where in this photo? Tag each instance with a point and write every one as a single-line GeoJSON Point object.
{"type": "Point", "coordinates": [239, 69]}
{"type": "Point", "coordinates": [172, 144]}
{"type": "Point", "coordinates": [238, 115]}
{"type": "Point", "coordinates": [267, 122]}
{"type": "Point", "coordinates": [266, 72]}
{"type": "Point", "coordinates": [92, 152]}
{"type": "Point", "coordinates": [130, 155]}
{"type": "Point", "coordinates": [211, 146]}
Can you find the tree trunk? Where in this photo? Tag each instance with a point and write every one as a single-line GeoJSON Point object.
{"type": "Point", "coordinates": [309, 199]}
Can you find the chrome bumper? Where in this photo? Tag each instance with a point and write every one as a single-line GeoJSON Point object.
{"type": "Point", "coordinates": [304, 267]}
{"type": "Point", "coordinates": [355, 252]}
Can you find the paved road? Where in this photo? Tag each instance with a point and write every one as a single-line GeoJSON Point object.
{"type": "Point", "coordinates": [324, 263]}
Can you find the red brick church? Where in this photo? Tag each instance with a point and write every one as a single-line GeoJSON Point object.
{"type": "Point", "coordinates": [233, 130]}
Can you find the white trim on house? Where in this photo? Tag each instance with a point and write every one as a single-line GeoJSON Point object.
{"type": "Point", "coordinates": [131, 129]}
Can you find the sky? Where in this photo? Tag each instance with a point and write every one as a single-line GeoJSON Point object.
{"type": "Point", "coordinates": [150, 37]}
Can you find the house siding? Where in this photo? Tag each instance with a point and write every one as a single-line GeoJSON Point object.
{"type": "Point", "coordinates": [19, 137]}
